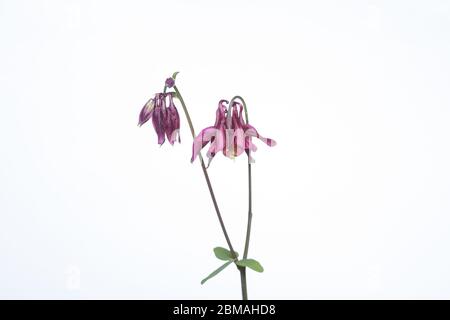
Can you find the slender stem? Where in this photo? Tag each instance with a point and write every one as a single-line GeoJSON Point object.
{"type": "Point", "coordinates": [188, 117]}
{"type": "Point", "coordinates": [219, 216]}
{"type": "Point", "coordinates": [205, 172]}
{"type": "Point", "coordinates": [250, 214]}
{"type": "Point", "coordinates": [247, 236]}
{"type": "Point", "coordinates": [243, 283]}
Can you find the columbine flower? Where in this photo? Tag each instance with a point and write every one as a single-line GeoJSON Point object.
{"type": "Point", "coordinates": [166, 120]}
{"type": "Point", "coordinates": [232, 136]}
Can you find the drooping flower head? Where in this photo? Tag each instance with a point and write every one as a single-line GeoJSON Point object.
{"type": "Point", "coordinates": [165, 119]}
{"type": "Point", "coordinates": [230, 134]}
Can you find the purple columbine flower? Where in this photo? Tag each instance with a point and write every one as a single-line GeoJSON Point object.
{"type": "Point", "coordinates": [232, 138]}
{"type": "Point", "coordinates": [166, 120]}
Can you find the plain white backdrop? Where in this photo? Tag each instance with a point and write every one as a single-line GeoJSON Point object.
{"type": "Point", "coordinates": [353, 202]}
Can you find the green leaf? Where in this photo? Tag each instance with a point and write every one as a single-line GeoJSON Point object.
{"type": "Point", "coordinates": [175, 75]}
{"type": "Point", "coordinates": [250, 263]}
{"type": "Point", "coordinates": [224, 254]}
{"type": "Point", "coordinates": [215, 272]}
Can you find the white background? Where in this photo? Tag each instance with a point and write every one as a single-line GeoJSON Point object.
{"type": "Point", "coordinates": [353, 202]}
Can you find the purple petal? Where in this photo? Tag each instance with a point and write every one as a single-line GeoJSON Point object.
{"type": "Point", "coordinates": [158, 120]}
{"type": "Point", "coordinates": [174, 118]}
{"type": "Point", "coordinates": [220, 114]}
{"type": "Point", "coordinates": [202, 140]}
{"type": "Point", "coordinates": [172, 124]}
{"type": "Point", "coordinates": [146, 112]}
{"type": "Point", "coordinates": [217, 144]}
{"type": "Point", "coordinates": [238, 142]}
{"type": "Point", "coordinates": [236, 119]}
{"type": "Point", "coordinates": [250, 131]}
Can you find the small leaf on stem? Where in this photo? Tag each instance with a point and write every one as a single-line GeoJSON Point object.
{"type": "Point", "coordinates": [250, 263]}
{"type": "Point", "coordinates": [224, 254]}
{"type": "Point", "coordinates": [215, 272]}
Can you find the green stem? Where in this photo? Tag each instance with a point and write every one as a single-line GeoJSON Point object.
{"type": "Point", "coordinates": [243, 282]}
{"type": "Point", "coordinates": [205, 172]}
{"type": "Point", "coordinates": [250, 214]}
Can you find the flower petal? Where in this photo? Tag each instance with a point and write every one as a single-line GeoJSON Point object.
{"type": "Point", "coordinates": [250, 131]}
{"type": "Point", "coordinates": [220, 114]}
{"type": "Point", "coordinates": [202, 140]}
{"type": "Point", "coordinates": [158, 120]}
{"type": "Point", "coordinates": [146, 112]}
{"type": "Point", "coordinates": [217, 143]}
{"type": "Point", "coordinates": [172, 126]}
{"type": "Point", "coordinates": [238, 142]}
